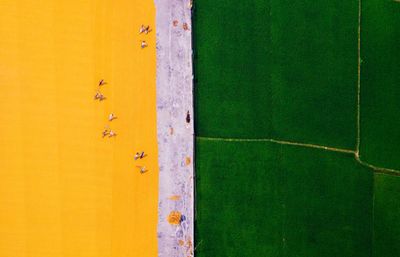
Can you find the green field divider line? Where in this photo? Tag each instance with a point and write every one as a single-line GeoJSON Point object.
{"type": "Point", "coordinates": [358, 125]}
{"type": "Point", "coordinates": [281, 142]}
{"type": "Point", "coordinates": [358, 139]}
{"type": "Point", "coordinates": [376, 169]}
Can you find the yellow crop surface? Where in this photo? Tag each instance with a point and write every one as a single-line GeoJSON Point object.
{"type": "Point", "coordinates": [65, 191]}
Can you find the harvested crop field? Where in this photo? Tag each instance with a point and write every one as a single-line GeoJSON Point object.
{"type": "Point", "coordinates": [64, 189]}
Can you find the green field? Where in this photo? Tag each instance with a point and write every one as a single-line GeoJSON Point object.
{"type": "Point", "coordinates": [380, 83]}
{"type": "Point", "coordinates": [386, 216]}
{"type": "Point", "coordinates": [287, 73]}
{"type": "Point", "coordinates": [263, 199]}
{"type": "Point", "coordinates": [263, 68]}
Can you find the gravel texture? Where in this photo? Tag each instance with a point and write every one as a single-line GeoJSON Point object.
{"type": "Point", "coordinates": [175, 133]}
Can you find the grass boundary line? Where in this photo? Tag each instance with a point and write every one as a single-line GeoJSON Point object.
{"type": "Point", "coordinates": [358, 125]}
{"type": "Point", "coordinates": [376, 169]}
{"type": "Point", "coordinates": [281, 142]}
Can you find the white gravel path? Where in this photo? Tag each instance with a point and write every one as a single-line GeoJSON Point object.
{"type": "Point", "coordinates": [175, 135]}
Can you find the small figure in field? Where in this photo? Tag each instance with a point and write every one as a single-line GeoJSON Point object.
{"type": "Point", "coordinates": [190, 5]}
{"type": "Point", "coordinates": [144, 29]}
{"type": "Point", "coordinates": [111, 117]}
{"type": "Point", "coordinates": [142, 169]}
{"type": "Point", "coordinates": [185, 26]}
{"type": "Point", "coordinates": [112, 134]}
{"type": "Point", "coordinates": [187, 117]}
{"type": "Point", "coordinates": [99, 96]}
{"type": "Point", "coordinates": [175, 23]}
{"type": "Point", "coordinates": [105, 132]}
{"type": "Point", "coordinates": [102, 82]}
{"type": "Point", "coordinates": [143, 44]}
{"type": "Point", "coordinates": [139, 155]}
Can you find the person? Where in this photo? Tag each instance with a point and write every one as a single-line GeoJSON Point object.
{"type": "Point", "coordinates": [143, 44]}
{"type": "Point", "coordinates": [111, 117]}
{"type": "Point", "coordinates": [139, 155]}
{"type": "Point", "coordinates": [99, 96]}
{"type": "Point", "coordinates": [187, 117]}
{"type": "Point", "coordinates": [112, 134]}
{"type": "Point", "coordinates": [141, 29]}
{"type": "Point", "coordinates": [144, 29]}
{"type": "Point", "coordinates": [142, 169]}
{"type": "Point", "coordinates": [148, 30]}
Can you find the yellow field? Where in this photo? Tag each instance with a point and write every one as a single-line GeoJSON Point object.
{"type": "Point", "coordinates": [64, 190]}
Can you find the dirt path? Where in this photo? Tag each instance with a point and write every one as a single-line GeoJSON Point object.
{"type": "Point", "coordinates": [175, 133]}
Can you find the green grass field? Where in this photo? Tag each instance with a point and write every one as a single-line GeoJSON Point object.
{"type": "Point", "coordinates": [386, 216]}
{"type": "Point", "coordinates": [263, 68]}
{"type": "Point", "coordinates": [380, 83]}
{"type": "Point", "coordinates": [288, 72]}
{"type": "Point", "coordinates": [263, 199]}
